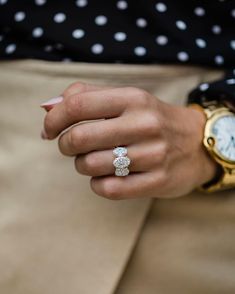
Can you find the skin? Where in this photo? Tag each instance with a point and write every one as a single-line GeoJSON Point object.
{"type": "Point", "coordinates": [164, 141]}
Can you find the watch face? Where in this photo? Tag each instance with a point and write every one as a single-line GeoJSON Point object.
{"type": "Point", "coordinates": [224, 132]}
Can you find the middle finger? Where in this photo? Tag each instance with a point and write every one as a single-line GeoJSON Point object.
{"type": "Point", "coordinates": [102, 134]}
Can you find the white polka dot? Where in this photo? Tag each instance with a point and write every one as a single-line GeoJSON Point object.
{"type": "Point", "coordinates": [78, 33]}
{"type": "Point", "coordinates": [67, 60]}
{"type": "Point", "coordinates": [140, 51]}
{"type": "Point", "coordinates": [59, 17]}
{"type": "Point", "coordinates": [81, 3]}
{"type": "Point", "coordinates": [40, 2]}
{"type": "Point", "coordinates": [161, 7]}
{"type": "Point", "coordinates": [181, 25]}
{"type": "Point", "coordinates": [161, 40]}
{"type": "Point", "coordinates": [59, 46]}
{"type": "Point", "coordinates": [10, 48]}
{"type": "Point", "coordinates": [97, 48]}
{"type": "Point", "coordinates": [19, 16]}
{"type": "Point", "coordinates": [183, 56]}
{"type": "Point", "coordinates": [122, 5]}
{"type": "Point", "coordinates": [48, 48]}
{"type": "Point", "coordinates": [230, 81]}
{"type": "Point", "coordinates": [216, 29]}
{"type": "Point", "coordinates": [219, 59]}
{"type": "Point", "coordinates": [200, 43]}
{"type": "Point", "coordinates": [37, 32]}
{"type": "Point", "coordinates": [141, 22]}
{"type": "Point", "coordinates": [233, 13]}
{"type": "Point", "coordinates": [232, 44]}
{"type": "Point", "coordinates": [1, 38]}
{"type": "Point", "coordinates": [101, 20]}
{"type": "Point", "coordinates": [3, 2]}
{"type": "Point", "coordinates": [120, 36]}
{"type": "Point", "coordinates": [204, 87]}
{"type": "Point", "coordinates": [199, 11]}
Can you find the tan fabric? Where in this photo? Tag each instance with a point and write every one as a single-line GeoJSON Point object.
{"type": "Point", "coordinates": [57, 236]}
{"type": "Point", "coordinates": [187, 246]}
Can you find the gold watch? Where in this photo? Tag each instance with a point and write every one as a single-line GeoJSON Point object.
{"type": "Point", "coordinates": [219, 140]}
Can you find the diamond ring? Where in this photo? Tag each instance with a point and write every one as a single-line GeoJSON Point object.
{"type": "Point", "coordinates": [121, 162]}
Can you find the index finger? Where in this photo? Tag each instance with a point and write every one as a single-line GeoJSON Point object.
{"type": "Point", "coordinates": [77, 87]}
{"type": "Point", "coordinates": [78, 107]}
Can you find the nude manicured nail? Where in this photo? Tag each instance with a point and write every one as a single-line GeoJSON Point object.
{"type": "Point", "coordinates": [48, 105]}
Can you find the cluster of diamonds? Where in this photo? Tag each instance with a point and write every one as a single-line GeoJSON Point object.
{"type": "Point", "coordinates": [122, 162]}
{"type": "Point", "coordinates": [120, 151]}
{"type": "Point", "coordinates": [121, 172]}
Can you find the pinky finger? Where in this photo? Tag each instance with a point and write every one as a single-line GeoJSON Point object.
{"type": "Point", "coordinates": [135, 185]}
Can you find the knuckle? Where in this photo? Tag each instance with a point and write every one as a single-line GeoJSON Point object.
{"type": "Point", "coordinates": [111, 191]}
{"type": "Point", "coordinates": [140, 95]}
{"type": "Point", "coordinates": [150, 124]}
{"type": "Point", "coordinates": [157, 122]}
{"type": "Point", "coordinates": [73, 104]}
{"type": "Point", "coordinates": [74, 88]}
{"type": "Point", "coordinates": [83, 140]}
{"type": "Point", "coordinates": [163, 152]}
{"type": "Point", "coordinates": [153, 124]}
{"type": "Point", "coordinates": [90, 163]}
{"type": "Point", "coordinates": [78, 140]}
{"type": "Point", "coordinates": [161, 179]}
{"type": "Point", "coordinates": [74, 139]}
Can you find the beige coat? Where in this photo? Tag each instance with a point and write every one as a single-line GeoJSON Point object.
{"type": "Point", "coordinates": [58, 237]}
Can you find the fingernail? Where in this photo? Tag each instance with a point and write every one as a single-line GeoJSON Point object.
{"type": "Point", "coordinates": [48, 105]}
{"type": "Point", "coordinates": [44, 135]}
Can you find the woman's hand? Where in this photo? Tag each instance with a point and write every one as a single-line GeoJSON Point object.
{"type": "Point", "coordinates": [164, 141]}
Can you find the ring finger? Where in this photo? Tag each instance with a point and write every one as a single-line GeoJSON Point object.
{"type": "Point", "coordinates": [144, 157]}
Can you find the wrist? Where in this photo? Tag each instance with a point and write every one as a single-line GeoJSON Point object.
{"type": "Point", "coordinates": [208, 169]}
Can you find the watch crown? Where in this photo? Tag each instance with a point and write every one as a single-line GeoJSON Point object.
{"type": "Point", "coordinates": [211, 141]}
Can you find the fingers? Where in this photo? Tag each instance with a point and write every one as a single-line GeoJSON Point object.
{"type": "Point", "coordinates": [99, 135]}
{"type": "Point", "coordinates": [84, 106]}
{"type": "Point", "coordinates": [144, 157]}
{"type": "Point", "coordinates": [134, 185]}
{"type": "Point", "coordinates": [105, 134]}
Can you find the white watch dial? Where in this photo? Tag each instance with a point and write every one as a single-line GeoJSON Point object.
{"type": "Point", "coordinates": [224, 132]}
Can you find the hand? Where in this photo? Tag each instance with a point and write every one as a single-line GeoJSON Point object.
{"type": "Point", "coordinates": [164, 141]}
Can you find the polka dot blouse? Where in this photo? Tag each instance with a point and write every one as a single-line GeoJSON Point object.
{"type": "Point", "coordinates": [125, 31]}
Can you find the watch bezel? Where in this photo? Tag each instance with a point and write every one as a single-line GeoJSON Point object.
{"type": "Point", "coordinates": [209, 138]}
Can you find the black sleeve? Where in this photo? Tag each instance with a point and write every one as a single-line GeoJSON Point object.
{"type": "Point", "coordinates": [220, 90]}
